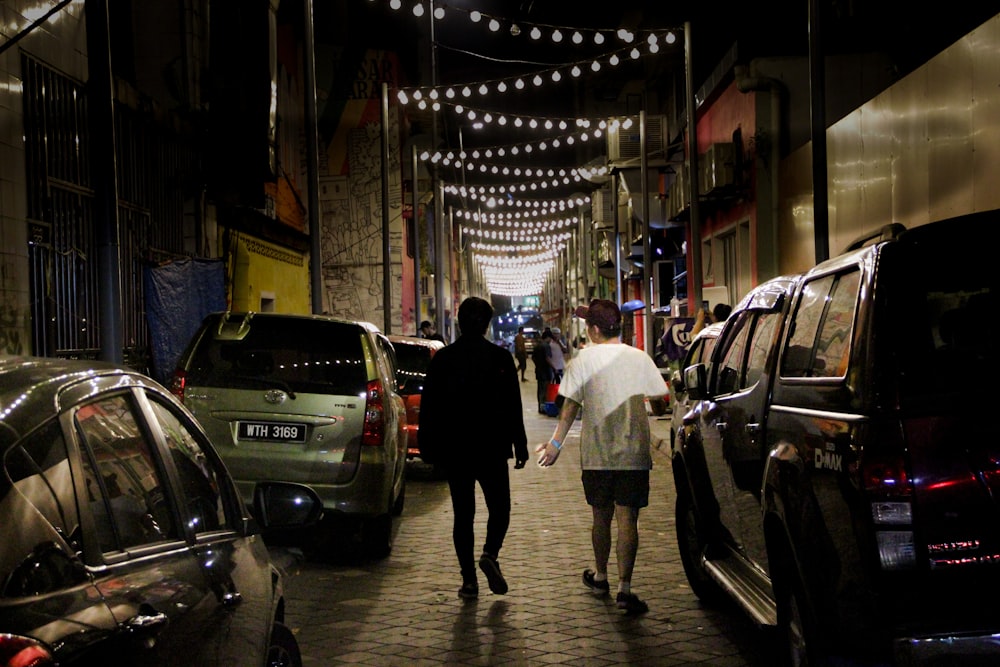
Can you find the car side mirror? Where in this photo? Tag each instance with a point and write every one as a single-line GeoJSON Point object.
{"type": "Point", "coordinates": [286, 505]}
{"type": "Point", "coordinates": [696, 381]}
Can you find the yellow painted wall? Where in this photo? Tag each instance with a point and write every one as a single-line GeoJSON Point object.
{"type": "Point", "coordinates": [262, 269]}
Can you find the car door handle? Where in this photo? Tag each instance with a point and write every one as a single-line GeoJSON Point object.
{"type": "Point", "coordinates": [721, 426]}
{"type": "Point", "coordinates": [147, 622]}
{"type": "Point", "coordinates": [753, 428]}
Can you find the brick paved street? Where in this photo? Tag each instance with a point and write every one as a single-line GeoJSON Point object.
{"type": "Point", "coordinates": [404, 610]}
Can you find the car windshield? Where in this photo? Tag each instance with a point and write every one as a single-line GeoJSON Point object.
{"type": "Point", "coordinates": [297, 355]}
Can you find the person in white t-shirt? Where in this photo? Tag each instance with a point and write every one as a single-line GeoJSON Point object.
{"type": "Point", "coordinates": [610, 382]}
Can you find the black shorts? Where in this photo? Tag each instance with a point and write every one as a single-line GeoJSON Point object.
{"type": "Point", "coordinates": [604, 488]}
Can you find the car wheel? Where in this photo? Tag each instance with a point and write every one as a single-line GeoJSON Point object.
{"type": "Point", "coordinates": [283, 649]}
{"type": "Point", "coordinates": [397, 505]}
{"type": "Point", "coordinates": [377, 535]}
{"type": "Point", "coordinates": [799, 645]}
{"type": "Point", "coordinates": [692, 544]}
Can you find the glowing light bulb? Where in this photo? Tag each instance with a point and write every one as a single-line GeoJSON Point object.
{"type": "Point", "coordinates": [439, 13]}
{"type": "Point", "coordinates": [536, 33]}
{"type": "Point", "coordinates": [577, 37]}
{"type": "Point", "coordinates": [483, 90]}
{"type": "Point", "coordinates": [596, 66]}
{"type": "Point", "coordinates": [494, 25]}
{"type": "Point", "coordinates": [537, 80]}
{"type": "Point", "coordinates": [575, 71]}
{"type": "Point", "coordinates": [519, 84]}
{"type": "Point", "coordinates": [613, 60]}
{"type": "Point", "coordinates": [395, 4]}
{"type": "Point", "coordinates": [475, 16]}
{"type": "Point", "coordinates": [501, 87]}
{"type": "Point", "coordinates": [556, 76]}
{"type": "Point", "coordinates": [670, 38]}
{"type": "Point", "coordinates": [515, 29]}
{"type": "Point", "coordinates": [635, 54]}
{"type": "Point", "coordinates": [466, 92]}
{"type": "Point", "coordinates": [557, 36]}
{"type": "Point", "coordinates": [418, 9]}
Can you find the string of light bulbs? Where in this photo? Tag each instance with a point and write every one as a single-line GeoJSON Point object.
{"type": "Point", "coordinates": [421, 94]}
{"type": "Point", "coordinates": [574, 35]}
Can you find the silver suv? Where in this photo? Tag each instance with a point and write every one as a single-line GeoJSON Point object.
{"type": "Point", "coordinates": [304, 398]}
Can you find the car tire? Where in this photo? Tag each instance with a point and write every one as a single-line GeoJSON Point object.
{"type": "Point", "coordinates": [799, 645]}
{"type": "Point", "coordinates": [692, 545]}
{"type": "Point", "coordinates": [283, 648]}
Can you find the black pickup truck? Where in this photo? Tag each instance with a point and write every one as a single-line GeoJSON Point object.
{"type": "Point", "coordinates": [838, 470]}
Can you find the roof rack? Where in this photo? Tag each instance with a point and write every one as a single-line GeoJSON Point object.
{"type": "Point", "coordinates": [883, 233]}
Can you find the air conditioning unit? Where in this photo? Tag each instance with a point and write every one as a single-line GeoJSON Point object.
{"type": "Point", "coordinates": [602, 208]}
{"type": "Point", "coordinates": [716, 168]}
{"type": "Point", "coordinates": [624, 144]}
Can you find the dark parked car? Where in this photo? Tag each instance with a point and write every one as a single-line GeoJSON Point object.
{"type": "Point", "coordinates": [309, 399]}
{"type": "Point", "coordinates": [413, 356]}
{"type": "Point", "coordinates": [698, 352]}
{"type": "Point", "coordinates": [838, 474]}
{"type": "Point", "coordinates": [125, 541]}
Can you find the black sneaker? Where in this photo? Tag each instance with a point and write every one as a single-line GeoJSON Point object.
{"type": "Point", "coordinates": [469, 591]}
{"type": "Point", "coordinates": [632, 604]}
{"type": "Point", "coordinates": [593, 584]}
{"type": "Point", "coordinates": [491, 569]}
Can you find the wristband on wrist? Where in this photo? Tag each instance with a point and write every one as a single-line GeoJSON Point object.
{"type": "Point", "coordinates": [556, 443]}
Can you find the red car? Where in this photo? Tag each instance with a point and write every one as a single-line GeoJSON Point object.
{"type": "Point", "coordinates": [413, 356]}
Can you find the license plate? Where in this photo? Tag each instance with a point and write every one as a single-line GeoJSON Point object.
{"type": "Point", "coordinates": [272, 431]}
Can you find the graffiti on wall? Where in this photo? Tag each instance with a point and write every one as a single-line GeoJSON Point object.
{"type": "Point", "coordinates": [351, 221]}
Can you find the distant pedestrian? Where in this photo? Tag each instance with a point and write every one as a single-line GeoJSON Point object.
{"type": "Point", "coordinates": [719, 313]}
{"type": "Point", "coordinates": [557, 355]}
{"type": "Point", "coordinates": [610, 381]}
{"type": "Point", "coordinates": [427, 330]}
{"type": "Point", "coordinates": [521, 353]}
{"type": "Point", "coordinates": [471, 423]}
{"type": "Point", "coordinates": [543, 368]}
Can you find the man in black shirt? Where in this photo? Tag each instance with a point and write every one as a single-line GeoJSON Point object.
{"type": "Point", "coordinates": [471, 423]}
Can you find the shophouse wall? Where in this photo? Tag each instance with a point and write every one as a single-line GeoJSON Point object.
{"type": "Point", "coordinates": [926, 149]}
{"type": "Point", "coordinates": [735, 211]}
{"type": "Point", "coordinates": [59, 45]}
{"type": "Point", "coordinates": [350, 189]}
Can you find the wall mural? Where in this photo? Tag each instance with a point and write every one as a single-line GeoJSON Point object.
{"type": "Point", "coordinates": [351, 244]}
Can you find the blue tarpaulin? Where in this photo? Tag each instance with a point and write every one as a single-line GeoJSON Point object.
{"type": "Point", "coordinates": [178, 296]}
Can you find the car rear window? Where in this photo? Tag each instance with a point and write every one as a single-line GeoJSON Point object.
{"type": "Point", "coordinates": [938, 306]}
{"type": "Point", "coordinates": [412, 362]}
{"type": "Point", "coordinates": [299, 355]}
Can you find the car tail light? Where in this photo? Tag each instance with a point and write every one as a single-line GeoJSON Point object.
{"type": "Point", "coordinates": [888, 488]}
{"type": "Point", "coordinates": [16, 651]}
{"type": "Point", "coordinates": [177, 384]}
{"type": "Point", "coordinates": [374, 428]}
